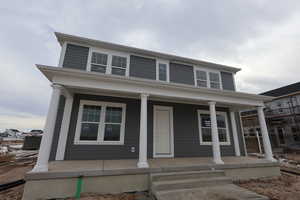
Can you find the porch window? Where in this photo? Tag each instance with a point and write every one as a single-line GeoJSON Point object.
{"type": "Point", "coordinates": [100, 123]}
{"type": "Point", "coordinates": [99, 62]}
{"type": "Point", "coordinates": [205, 128]}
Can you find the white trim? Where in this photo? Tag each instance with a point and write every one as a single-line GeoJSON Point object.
{"type": "Point", "coordinates": [235, 134]}
{"type": "Point", "coordinates": [111, 83]}
{"type": "Point", "coordinates": [243, 133]}
{"type": "Point", "coordinates": [109, 54]}
{"type": "Point", "coordinates": [166, 62]}
{"type": "Point", "coordinates": [200, 127]}
{"type": "Point", "coordinates": [99, 140]}
{"type": "Point", "coordinates": [170, 109]}
{"type": "Point", "coordinates": [62, 54]}
{"type": "Point", "coordinates": [61, 146]}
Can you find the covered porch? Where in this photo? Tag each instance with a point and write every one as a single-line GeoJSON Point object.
{"type": "Point", "coordinates": [68, 82]}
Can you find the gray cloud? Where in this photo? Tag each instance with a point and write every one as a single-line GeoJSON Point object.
{"type": "Point", "coordinates": [261, 36]}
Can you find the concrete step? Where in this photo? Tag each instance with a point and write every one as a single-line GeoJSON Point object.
{"type": "Point", "coordinates": [186, 175]}
{"type": "Point", "coordinates": [168, 185]}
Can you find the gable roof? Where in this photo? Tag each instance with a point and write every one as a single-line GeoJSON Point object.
{"type": "Point", "coordinates": [282, 91]}
{"type": "Point", "coordinates": [61, 37]}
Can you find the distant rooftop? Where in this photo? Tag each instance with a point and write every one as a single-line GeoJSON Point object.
{"type": "Point", "coordinates": [282, 91]}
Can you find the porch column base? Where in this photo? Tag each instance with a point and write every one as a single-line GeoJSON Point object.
{"type": "Point", "coordinates": [218, 161]}
{"type": "Point", "coordinates": [143, 165]}
{"type": "Point", "coordinates": [40, 168]}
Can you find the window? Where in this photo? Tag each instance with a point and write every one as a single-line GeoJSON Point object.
{"type": "Point", "coordinates": [162, 70]}
{"type": "Point", "coordinates": [207, 79]}
{"type": "Point", "coordinates": [108, 62]}
{"type": "Point", "coordinates": [201, 78]}
{"type": "Point", "coordinates": [205, 128]}
{"type": "Point", "coordinates": [214, 79]}
{"type": "Point", "coordinates": [99, 62]}
{"type": "Point", "coordinates": [100, 123]}
{"type": "Point", "coordinates": [118, 65]}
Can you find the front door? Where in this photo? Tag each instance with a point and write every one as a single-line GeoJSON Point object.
{"type": "Point", "coordinates": [163, 132]}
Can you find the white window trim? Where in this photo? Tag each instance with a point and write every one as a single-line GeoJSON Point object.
{"type": "Point", "coordinates": [109, 53]}
{"type": "Point", "coordinates": [200, 127]}
{"type": "Point", "coordinates": [100, 136]}
{"type": "Point", "coordinates": [207, 76]}
{"type": "Point", "coordinates": [160, 61]}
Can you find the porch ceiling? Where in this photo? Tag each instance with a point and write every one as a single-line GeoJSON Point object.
{"type": "Point", "coordinates": [91, 82]}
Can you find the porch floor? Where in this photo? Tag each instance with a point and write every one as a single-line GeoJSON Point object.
{"type": "Point", "coordinates": [157, 163]}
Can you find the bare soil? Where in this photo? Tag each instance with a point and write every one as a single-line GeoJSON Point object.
{"type": "Point", "coordinates": [285, 187]}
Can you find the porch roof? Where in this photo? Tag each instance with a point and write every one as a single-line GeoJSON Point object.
{"type": "Point", "coordinates": [92, 81]}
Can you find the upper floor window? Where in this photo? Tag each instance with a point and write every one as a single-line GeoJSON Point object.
{"type": "Point", "coordinates": [214, 79]}
{"type": "Point", "coordinates": [162, 71]}
{"type": "Point", "coordinates": [207, 79]}
{"type": "Point", "coordinates": [99, 62]}
{"type": "Point", "coordinates": [109, 63]}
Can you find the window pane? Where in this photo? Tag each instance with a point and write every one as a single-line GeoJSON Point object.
{"type": "Point", "coordinates": [112, 132]}
{"type": "Point", "coordinates": [99, 58]}
{"type": "Point", "coordinates": [89, 131]}
{"type": "Point", "coordinates": [214, 77]}
{"type": "Point", "coordinates": [113, 115]}
{"type": "Point", "coordinates": [201, 75]}
{"type": "Point", "coordinates": [201, 83]}
{"type": "Point", "coordinates": [162, 70]}
{"type": "Point", "coordinates": [98, 68]}
{"type": "Point", "coordinates": [91, 113]}
{"type": "Point", "coordinates": [222, 135]}
{"type": "Point", "coordinates": [119, 61]}
{"type": "Point", "coordinates": [215, 85]}
{"type": "Point", "coordinates": [206, 134]}
{"type": "Point", "coordinates": [118, 71]}
{"type": "Point", "coordinates": [205, 120]}
{"type": "Point", "coordinates": [221, 121]}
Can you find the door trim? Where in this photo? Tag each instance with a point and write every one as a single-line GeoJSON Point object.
{"type": "Point", "coordinates": [155, 107]}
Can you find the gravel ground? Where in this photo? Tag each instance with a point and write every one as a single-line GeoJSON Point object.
{"type": "Point", "coordinates": [285, 187]}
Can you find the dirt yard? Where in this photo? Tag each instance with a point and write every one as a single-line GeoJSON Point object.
{"type": "Point", "coordinates": [285, 187]}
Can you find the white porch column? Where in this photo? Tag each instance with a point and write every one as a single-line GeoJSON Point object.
{"type": "Point", "coordinates": [265, 135]}
{"type": "Point", "coordinates": [235, 134]}
{"type": "Point", "coordinates": [45, 147]}
{"type": "Point", "coordinates": [63, 134]}
{"type": "Point", "coordinates": [142, 163]}
{"type": "Point", "coordinates": [214, 134]}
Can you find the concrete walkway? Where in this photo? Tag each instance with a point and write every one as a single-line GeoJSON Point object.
{"type": "Point", "coordinates": [222, 192]}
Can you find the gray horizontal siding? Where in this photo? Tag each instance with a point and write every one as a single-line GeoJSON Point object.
{"type": "Point", "coordinates": [186, 132]}
{"type": "Point", "coordinates": [58, 122]}
{"type": "Point", "coordinates": [180, 73]}
{"type": "Point", "coordinates": [142, 67]}
{"type": "Point", "coordinates": [76, 57]}
{"type": "Point", "coordinates": [227, 81]}
{"type": "Point", "coordinates": [90, 152]}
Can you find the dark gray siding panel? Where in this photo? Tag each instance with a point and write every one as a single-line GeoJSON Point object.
{"type": "Point", "coordinates": [142, 67]}
{"type": "Point", "coordinates": [90, 152]}
{"type": "Point", "coordinates": [60, 112]}
{"type": "Point", "coordinates": [76, 57]}
{"type": "Point", "coordinates": [180, 73]}
{"type": "Point", "coordinates": [240, 133]}
{"type": "Point", "coordinates": [186, 132]}
{"type": "Point", "coordinates": [227, 81]}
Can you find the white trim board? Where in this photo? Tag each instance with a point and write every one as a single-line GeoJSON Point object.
{"type": "Point", "coordinates": [170, 109]}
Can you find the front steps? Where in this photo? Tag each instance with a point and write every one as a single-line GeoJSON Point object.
{"type": "Point", "coordinates": [165, 182]}
{"type": "Point", "coordinates": [192, 185]}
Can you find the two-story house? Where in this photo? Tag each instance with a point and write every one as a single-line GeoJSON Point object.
{"type": "Point", "coordinates": [112, 102]}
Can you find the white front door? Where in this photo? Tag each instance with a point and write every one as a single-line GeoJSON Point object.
{"type": "Point", "coordinates": [163, 142]}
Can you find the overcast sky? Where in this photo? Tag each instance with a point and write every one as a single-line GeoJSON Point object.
{"type": "Point", "coordinates": [260, 36]}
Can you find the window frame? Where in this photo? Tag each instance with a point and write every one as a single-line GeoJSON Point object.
{"type": "Point", "coordinates": [160, 61]}
{"type": "Point", "coordinates": [196, 68]}
{"type": "Point", "coordinates": [101, 128]}
{"type": "Point", "coordinates": [199, 112]}
{"type": "Point", "coordinates": [110, 54]}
